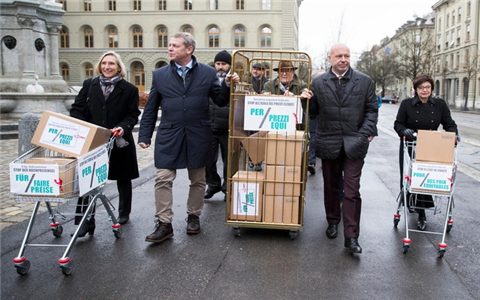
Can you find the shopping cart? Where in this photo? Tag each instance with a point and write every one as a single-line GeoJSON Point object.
{"type": "Point", "coordinates": [417, 185]}
{"type": "Point", "coordinates": [57, 205]}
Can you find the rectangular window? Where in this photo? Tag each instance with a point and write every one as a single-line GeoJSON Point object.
{"type": "Point", "coordinates": [89, 41]}
{"type": "Point", "coordinates": [240, 4]}
{"type": "Point", "coordinates": [137, 41]}
{"type": "Point", "coordinates": [213, 4]}
{"type": "Point", "coordinates": [112, 5]}
{"type": "Point", "coordinates": [467, 38]}
{"type": "Point", "coordinates": [162, 5]}
{"type": "Point", "coordinates": [459, 34]}
{"type": "Point", "coordinates": [459, 14]}
{"type": "Point", "coordinates": [469, 8]}
{"type": "Point", "coordinates": [266, 4]}
{"type": "Point", "coordinates": [64, 4]}
{"type": "Point", "coordinates": [137, 5]}
{"type": "Point", "coordinates": [188, 4]}
{"type": "Point", "coordinates": [87, 5]}
{"type": "Point", "coordinates": [453, 18]}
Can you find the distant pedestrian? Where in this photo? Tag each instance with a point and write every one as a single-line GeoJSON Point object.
{"type": "Point", "coordinates": [182, 90]}
{"type": "Point", "coordinates": [258, 77]}
{"type": "Point", "coordinates": [345, 102]}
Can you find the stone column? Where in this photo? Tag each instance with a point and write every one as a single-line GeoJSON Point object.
{"type": "Point", "coordinates": [27, 60]}
{"type": "Point", "coordinates": [53, 30]}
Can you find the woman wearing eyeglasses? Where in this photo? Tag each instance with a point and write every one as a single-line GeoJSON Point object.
{"type": "Point", "coordinates": [422, 112]}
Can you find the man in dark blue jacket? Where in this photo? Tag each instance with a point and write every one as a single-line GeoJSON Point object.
{"type": "Point", "coordinates": [182, 89]}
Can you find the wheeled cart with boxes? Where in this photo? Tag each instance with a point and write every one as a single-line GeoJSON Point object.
{"type": "Point", "coordinates": [268, 142]}
{"type": "Point", "coordinates": [71, 160]}
{"type": "Point", "coordinates": [429, 168]}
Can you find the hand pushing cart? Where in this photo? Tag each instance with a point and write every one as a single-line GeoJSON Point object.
{"type": "Point", "coordinates": [64, 189]}
{"type": "Point", "coordinates": [427, 185]}
{"type": "Point", "coordinates": [268, 141]}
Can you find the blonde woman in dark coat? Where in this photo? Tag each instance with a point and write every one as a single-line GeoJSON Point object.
{"type": "Point", "coordinates": [112, 102]}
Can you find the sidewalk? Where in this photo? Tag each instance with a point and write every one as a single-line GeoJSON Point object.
{"type": "Point", "coordinates": [11, 212]}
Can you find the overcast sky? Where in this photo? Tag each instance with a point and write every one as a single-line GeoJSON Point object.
{"type": "Point", "coordinates": [363, 23]}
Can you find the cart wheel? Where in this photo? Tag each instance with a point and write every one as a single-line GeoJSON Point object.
{"type": "Point", "coordinates": [293, 234]}
{"type": "Point", "coordinates": [118, 233]}
{"type": "Point", "coordinates": [405, 249]}
{"type": "Point", "coordinates": [449, 228]}
{"type": "Point", "coordinates": [57, 231]}
{"type": "Point", "coordinates": [67, 269]}
{"type": "Point", "coordinates": [23, 268]}
{"type": "Point", "coordinates": [440, 253]}
{"type": "Point", "coordinates": [236, 232]}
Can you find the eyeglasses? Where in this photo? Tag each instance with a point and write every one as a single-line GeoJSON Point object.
{"type": "Point", "coordinates": [425, 88]}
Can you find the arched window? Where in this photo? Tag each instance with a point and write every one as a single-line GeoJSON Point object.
{"type": "Point", "coordinates": [137, 37]}
{"type": "Point", "coordinates": [112, 37]}
{"type": "Point", "coordinates": [64, 72]}
{"type": "Point", "coordinates": [88, 71]}
{"type": "Point", "coordinates": [138, 76]}
{"type": "Point", "coordinates": [160, 64]}
{"type": "Point", "coordinates": [88, 37]}
{"type": "Point", "coordinates": [162, 37]}
{"type": "Point", "coordinates": [213, 37]}
{"type": "Point", "coordinates": [188, 29]}
{"type": "Point", "coordinates": [265, 37]}
{"type": "Point", "coordinates": [64, 39]}
{"type": "Point", "coordinates": [239, 37]}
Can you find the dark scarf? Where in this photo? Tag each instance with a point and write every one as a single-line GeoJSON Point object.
{"type": "Point", "coordinates": [107, 84]}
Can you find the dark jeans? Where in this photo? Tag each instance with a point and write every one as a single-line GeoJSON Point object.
{"type": "Point", "coordinates": [213, 180]}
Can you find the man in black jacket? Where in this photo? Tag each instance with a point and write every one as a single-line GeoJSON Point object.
{"type": "Point", "coordinates": [219, 116]}
{"type": "Point", "coordinates": [347, 108]}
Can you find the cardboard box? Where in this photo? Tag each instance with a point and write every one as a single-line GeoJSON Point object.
{"type": "Point", "coordinates": [280, 175]}
{"type": "Point", "coordinates": [68, 135]}
{"type": "Point", "coordinates": [67, 173]}
{"type": "Point", "coordinates": [431, 177]}
{"type": "Point", "coordinates": [247, 196]}
{"type": "Point", "coordinates": [255, 146]}
{"type": "Point", "coordinates": [284, 148]}
{"type": "Point", "coordinates": [281, 209]}
{"type": "Point", "coordinates": [435, 146]}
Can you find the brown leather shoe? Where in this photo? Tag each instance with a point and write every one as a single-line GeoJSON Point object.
{"type": "Point", "coordinates": [161, 232]}
{"type": "Point", "coordinates": [193, 224]}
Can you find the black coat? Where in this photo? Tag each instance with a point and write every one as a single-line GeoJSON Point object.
{"type": "Point", "coordinates": [184, 136]}
{"type": "Point", "coordinates": [346, 122]}
{"type": "Point", "coordinates": [414, 114]}
{"type": "Point", "coordinates": [119, 110]}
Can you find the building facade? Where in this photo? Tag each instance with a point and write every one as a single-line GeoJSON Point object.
{"type": "Point", "coordinates": [139, 32]}
{"type": "Point", "coordinates": [457, 58]}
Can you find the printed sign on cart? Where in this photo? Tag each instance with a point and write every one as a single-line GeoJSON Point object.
{"type": "Point", "coordinates": [64, 135]}
{"type": "Point", "coordinates": [35, 179]}
{"type": "Point", "coordinates": [434, 177]}
{"type": "Point", "coordinates": [92, 169]}
{"type": "Point", "coordinates": [245, 198]}
{"type": "Point", "coordinates": [272, 113]}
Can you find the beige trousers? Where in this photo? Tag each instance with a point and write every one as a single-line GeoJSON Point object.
{"type": "Point", "coordinates": [164, 196]}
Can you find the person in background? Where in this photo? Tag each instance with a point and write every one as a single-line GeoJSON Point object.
{"type": "Point", "coordinates": [182, 89]}
{"type": "Point", "coordinates": [345, 101]}
{"type": "Point", "coordinates": [421, 112]}
{"type": "Point", "coordinates": [258, 77]}
{"type": "Point", "coordinates": [219, 116]}
{"type": "Point", "coordinates": [287, 83]}
{"type": "Point", "coordinates": [112, 102]}
{"type": "Point", "coordinates": [379, 101]}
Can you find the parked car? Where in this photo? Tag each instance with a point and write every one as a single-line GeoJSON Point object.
{"type": "Point", "coordinates": [389, 100]}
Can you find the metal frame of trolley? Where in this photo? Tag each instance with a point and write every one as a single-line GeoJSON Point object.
{"type": "Point", "coordinates": [69, 195]}
{"type": "Point", "coordinates": [410, 194]}
{"type": "Point", "coordinates": [267, 150]}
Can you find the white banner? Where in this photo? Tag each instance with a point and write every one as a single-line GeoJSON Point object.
{"type": "Point", "coordinates": [272, 113]}
{"type": "Point", "coordinates": [92, 169]}
{"type": "Point", "coordinates": [35, 179]}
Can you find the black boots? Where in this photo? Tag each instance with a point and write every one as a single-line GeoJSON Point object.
{"type": "Point", "coordinates": [88, 227]}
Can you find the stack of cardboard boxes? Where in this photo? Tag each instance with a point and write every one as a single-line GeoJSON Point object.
{"type": "Point", "coordinates": [272, 196]}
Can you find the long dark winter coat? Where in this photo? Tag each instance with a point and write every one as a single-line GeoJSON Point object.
{"type": "Point", "coordinates": [184, 136]}
{"type": "Point", "coordinates": [347, 122]}
{"type": "Point", "coordinates": [119, 110]}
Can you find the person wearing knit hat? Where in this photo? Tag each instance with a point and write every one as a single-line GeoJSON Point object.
{"type": "Point", "coordinates": [219, 117]}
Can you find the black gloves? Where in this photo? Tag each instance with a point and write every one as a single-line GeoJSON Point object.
{"type": "Point", "coordinates": [457, 139]}
{"type": "Point", "coordinates": [409, 134]}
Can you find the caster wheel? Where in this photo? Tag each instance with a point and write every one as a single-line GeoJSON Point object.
{"type": "Point", "coordinates": [236, 232]}
{"type": "Point", "coordinates": [395, 222]}
{"type": "Point", "coordinates": [23, 268]}
{"type": "Point", "coordinates": [449, 228]}
{"type": "Point", "coordinates": [67, 269]}
{"type": "Point", "coordinates": [440, 253]}
{"type": "Point", "coordinates": [117, 233]}
{"type": "Point", "coordinates": [293, 235]}
{"type": "Point", "coordinates": [57, 231]}
{"type": "Point", "coordinates": [405, 249]}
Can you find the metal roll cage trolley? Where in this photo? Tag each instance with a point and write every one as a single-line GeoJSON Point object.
{"type": "Point", "coordinates": [69, 192]}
